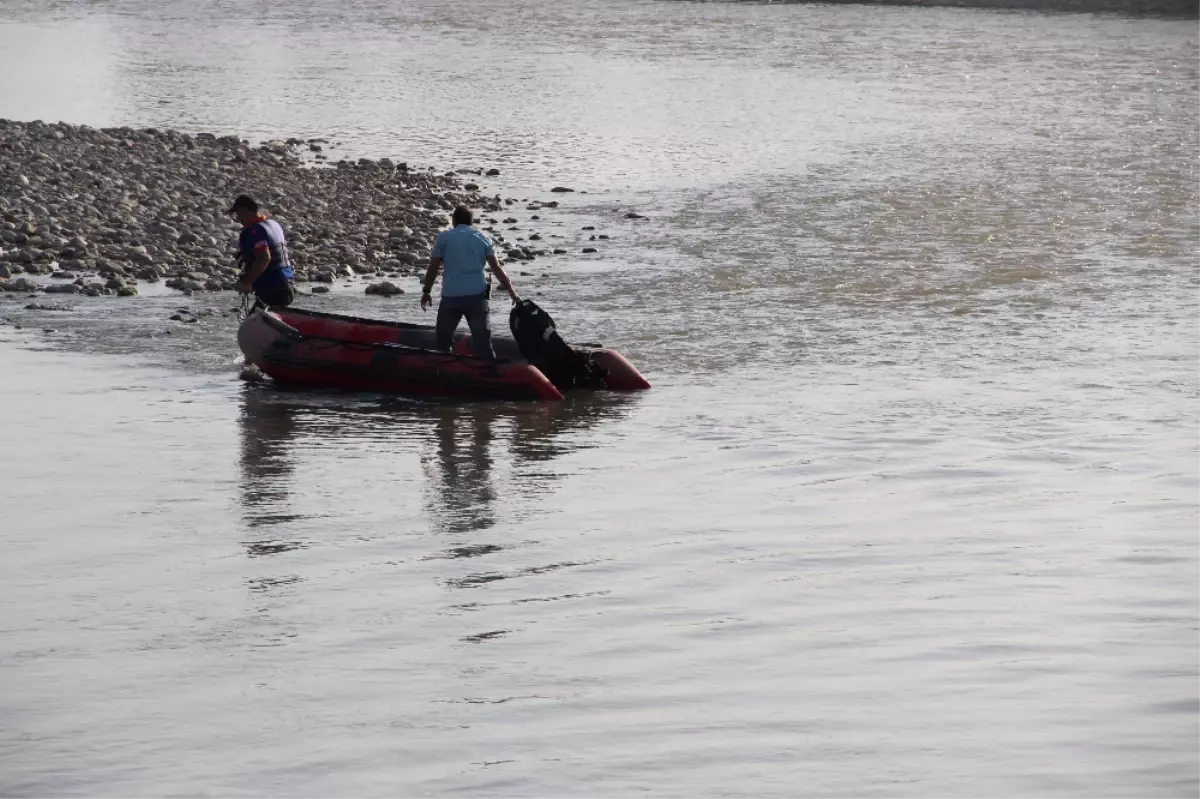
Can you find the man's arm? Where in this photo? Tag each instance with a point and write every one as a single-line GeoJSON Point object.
{"type": "Point", "coordinates": [498, 271]}
{"type": "Point", "coordinates": [431, 274]}
{"type": "Point", "coordinates": [262, 259]}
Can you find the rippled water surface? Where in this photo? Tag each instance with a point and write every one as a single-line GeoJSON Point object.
{"type": "Point", "coordinates": [911, 510]}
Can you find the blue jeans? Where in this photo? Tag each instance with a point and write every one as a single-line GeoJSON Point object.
{"type": "Point", "coordinates": [475, 308]}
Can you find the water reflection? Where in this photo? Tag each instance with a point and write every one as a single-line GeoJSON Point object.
{"type": "Point", "coordinates": [461, 496]}
{"type": "Point", "coordinates": [267, 472]}
{"type": "Point", "coordinates": [461, 446]}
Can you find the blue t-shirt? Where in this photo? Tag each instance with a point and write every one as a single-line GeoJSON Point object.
{"type": "Point", "coordinates": [267, 234]}
{"type": "Point", "coordinates": [464, 251]}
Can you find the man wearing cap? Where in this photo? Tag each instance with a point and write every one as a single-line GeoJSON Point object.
{"type": "Point", "coordinates": [463, 251]}
{"type": "Point", "coordinates": [263, 252]}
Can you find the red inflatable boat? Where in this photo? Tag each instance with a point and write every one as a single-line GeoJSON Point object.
{"type": "Point", "coordinates": [310, 348]}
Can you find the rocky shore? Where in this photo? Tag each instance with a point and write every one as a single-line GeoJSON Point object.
{"type": "Point", "coordinates": [97, 210]}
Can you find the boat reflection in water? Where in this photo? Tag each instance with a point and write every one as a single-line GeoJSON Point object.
{"type": "Point", "coordinates": [358, 450]}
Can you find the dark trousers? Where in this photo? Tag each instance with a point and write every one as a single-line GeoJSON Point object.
{"type": "Point", "coordinates": [276, 295]}
{"type": "Point", "coordinates": [475, 308]}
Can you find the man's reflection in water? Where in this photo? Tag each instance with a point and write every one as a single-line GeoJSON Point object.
{"type": "Point", "coordinates": [461, 494]}
{"type": "Point", "coordinates": [470, 438]}
{"type": "Point", "coordinates": [268, 426]}
{"type": "Point", "coordinates": [466, 442]}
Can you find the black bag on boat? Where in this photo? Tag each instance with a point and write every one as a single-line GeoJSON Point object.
{"type": "Point", "coordinates": [541, 345]}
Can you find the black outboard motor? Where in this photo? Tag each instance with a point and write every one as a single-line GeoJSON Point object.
{"type": "Point", "coordinates": [541, 345]}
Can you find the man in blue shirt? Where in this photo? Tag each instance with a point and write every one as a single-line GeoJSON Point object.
{"type": "Point", "coordinates": [262, 249]}
{"type": "Point", "coordinates": [463, 251]}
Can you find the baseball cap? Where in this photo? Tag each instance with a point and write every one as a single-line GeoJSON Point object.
{"type": "Point", "coordinates": [243, 201]}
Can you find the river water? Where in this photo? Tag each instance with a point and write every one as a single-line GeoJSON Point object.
{"type": "Point", "coordinates": [910, 511]}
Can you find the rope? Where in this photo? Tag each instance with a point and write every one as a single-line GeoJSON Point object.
{"type": "Point", "coordinates": [247, 307]}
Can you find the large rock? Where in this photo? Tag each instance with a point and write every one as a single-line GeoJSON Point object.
{"type": "Point", "coordinates": [63, 288]}
{"type": "Point", "coordinates": [106, 267]}
{"type": "Point", "coordinates": [185, 284]}
{"type": "Point", "coordinates": [22, 284]}
{"type": "Point", "coordinates": [385, 289]}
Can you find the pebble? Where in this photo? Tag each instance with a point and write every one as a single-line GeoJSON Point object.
{"type": "Point", "coordinates": [589, 249]}
{"type": "Point", "coordinates": [634, 215]}
{"type": "Point", "coordinates": [560, 189]}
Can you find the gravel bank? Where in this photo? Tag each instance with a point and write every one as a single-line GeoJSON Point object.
{"type": "Point", "coordinates": [97, 210]}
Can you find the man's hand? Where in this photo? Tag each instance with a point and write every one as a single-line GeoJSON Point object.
{"type": "Point", "coordinates": [502, 276]}
{"type": "Point", "coordinates": [435, 263]}
{"type": "Point", "coordinates": [243, 287]}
